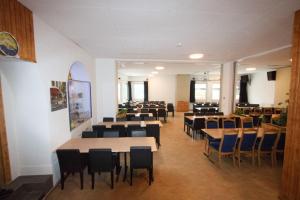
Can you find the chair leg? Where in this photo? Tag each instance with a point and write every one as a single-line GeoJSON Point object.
{"type": "Point", "coordinates": [272, 159]}
{"type": "Point", "coordinates": [275, 157]}
{"type": "Point", "coordinates": [112, 179]}
{"type": "Point", "coordinates": [81, 180]}
{"type": "Point", "coordinates": [62, 180]}
{"type": "Point", "coordinates": [253, 161]}
{"type": "Point", "coordinates": [219, 159]}
{"type": "Point", "coordinates": [239, 159]}
{"type": "Point", "coordinates": [152, 176]}
{"type": "Point", "coordinates": [173, 113]}
{"type": "Point", "coordinates": [131, 171]}
{"type": "Point", "coordinates": [149, 174]}
{"type": "Point", "coordinates": [233, 159]}
{"type": "Point", "coordinates": [258, 158]}
{"type": "Point", "coordinates": [93, 179]}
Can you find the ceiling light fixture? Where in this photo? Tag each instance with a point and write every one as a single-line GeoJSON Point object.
{"type": "Point", "coordinates": [250, 69]}
{"type": "Point", "coordinates": [196, 56]}
{"type": "Point", "coordinates": [179, 44]}
{"type": "Point", "coordinates": [139, 63]}
{"type": "Point", "coordinates": [154, 72]}
{"type": "Point", "coordinates": [159, 67]}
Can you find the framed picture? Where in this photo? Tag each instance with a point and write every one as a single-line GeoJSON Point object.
{"type": "Point", "coordinates": [80, 103]}
{"type": "Point", "coordinates": [58, 95]}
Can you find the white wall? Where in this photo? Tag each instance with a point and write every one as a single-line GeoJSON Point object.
{"type": "Point", "coordinates": [107, 88]}
{"type": "Point", "coordinates": [34, 132]}
{"type": "Point", "coordinates": [282, 86]}
{"type": "Point", "coordinates": [261, 91]}
{"type": "Point", "coordinates": [162, 88]}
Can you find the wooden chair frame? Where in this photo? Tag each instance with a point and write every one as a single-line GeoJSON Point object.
{"type": "Point", "coordinates": [259, 152]}
{"type": "Point", "coordinates": [228, 119]}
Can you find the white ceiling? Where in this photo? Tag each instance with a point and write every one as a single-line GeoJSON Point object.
{"type": "Point", "coordinates": [224, 30]}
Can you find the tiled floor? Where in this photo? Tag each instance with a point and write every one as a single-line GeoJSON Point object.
{"type": "Point", "coordinates": [181, 171]}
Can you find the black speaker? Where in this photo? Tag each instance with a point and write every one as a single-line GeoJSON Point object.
{"type": "Point", "coordinates": [271, 76]}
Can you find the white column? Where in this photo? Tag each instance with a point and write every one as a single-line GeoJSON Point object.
{"type": "Point", "coordinates": [106, 88]}
{"type": "Point", "coordinates": [227, 87]}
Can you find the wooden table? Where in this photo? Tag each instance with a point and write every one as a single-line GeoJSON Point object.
{"type": "Point", "coordinates": [120, 144]}
{"type": "Point", "coordinates": [218, 132]}
{"type": "Point", "coordinates": [126, 123]}
{"type": "Point", "coordinates": [192, 118]}
{"type": "Point", "coordinates": [117, 145]}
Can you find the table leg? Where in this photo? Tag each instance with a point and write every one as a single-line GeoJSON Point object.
{"type": "Point", "coordinates": [125, 167]}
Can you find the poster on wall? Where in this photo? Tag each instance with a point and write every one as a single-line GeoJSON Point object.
{"type": "Point", "coordinates": [80, 107]}
{"type": "Point", "coordinates": [58, 95]}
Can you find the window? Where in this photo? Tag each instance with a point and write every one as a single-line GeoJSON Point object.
{"type": "Point", "coordinates": [137, 91]}
{"type": "Point", "coordinates": [215, 92]}
{"type": "Point", "coordinates": [119, 93]}
{"type": "Point", "coordinates": [200, 91]}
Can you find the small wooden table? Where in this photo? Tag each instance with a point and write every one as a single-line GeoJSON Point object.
{"type": "Point", "coordinates": [126, 123]}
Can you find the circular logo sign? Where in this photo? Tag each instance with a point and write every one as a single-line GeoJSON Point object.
{"type": "Point", "coordinates": [8, 44]}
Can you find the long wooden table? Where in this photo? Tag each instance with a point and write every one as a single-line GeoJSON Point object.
{"type": "Point", "coordinates": [192, 118]}
{"type": "Point", "coordinates": [121, 144]}
{"type": "Point", "coordinates": [126, 123]}
{"type": "Point", "coordinates": [139, 114]}
{"type": "Point", "coordinates": [218, 132]}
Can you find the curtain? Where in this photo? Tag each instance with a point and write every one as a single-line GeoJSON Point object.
{"type": "Point", "coordinates": [243, 89]}
{"type": "Point", "coordinates": [145, 91]}
{"type": "Point", "coordinates": [129, 91]}
{"type": "Point", "coordinates": [192, 91]}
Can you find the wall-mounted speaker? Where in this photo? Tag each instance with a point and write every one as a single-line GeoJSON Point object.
{"type": "Point", "coordinates": [271, 76]}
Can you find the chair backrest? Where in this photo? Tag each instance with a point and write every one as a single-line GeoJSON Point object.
{"type": "Point", "coordinates": [188, 114]}
{"type": "Point", "coordinates": [144, 110]}
{"type": "Point", "coordinates": [199, 123]}
{"type": "Point", "coordinates": [110, 133]}
{"type": "Point", "coordinates": [89, 134]}
{"type": "Point", "coordinates": [170, 107]}
{"type": "Point", "coordinates": [152, 130]}
{"type": "Point", "coordinates": [256, 121]}
{"type": "Point", "coordinates": [141, 157]}
{"type": "Point", "coordinates": [229, 123]}
{"type": "Point", "coordinates": [280, 142]}
{"type": "Point", "coordinates": [143, 115]}
{"type": "Point", "coordinates": [136, 131]}
{"type": "Point", "coordinates": [247, 122]}
{"type": "Point", "coordinates": [161, 112]}
{"type": "Point", "coordinates": [136, 119]}
{"type": "Point", "coordinates": [129, 116]}
{"type": "Point", "coordinates": [99, 129]}
{"type": "Point", "coordinates": [149, 119]}
{"type": "Point", "coordinates": [153, 111]}
{"type": "Point", "coordinates": [211, 123]}
{"type": "Point", "coordinates": [100, 160]}
{"type": "Point", "coordinates": [120, 128]}
{"type": "Point", "coordinates": [69, 160]}
{"type": "Point", "coordinates": [121, 119]}
{"type": "Point", "coordinates": [108, 119]}
{"type": "Point", "coordinates": [268, 140]}
{"type": "Point", "coordinates": [248, 139]}
{"type": "Point", "coordinates": [228, 141]}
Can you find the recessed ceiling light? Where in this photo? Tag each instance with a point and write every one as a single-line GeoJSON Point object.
{"type": "Point", "coordinates": [154, 72]}
{"type": "Point", "coordinates": [179, 44]}
{"type": "Point", "coordinates": [159, 67]}
{"type": "Point", "coordinates": [250, 69]}
{"type": "Point", "coordinates": [139, 63]}
{"type": "Point", "coordinates": [196, 56]}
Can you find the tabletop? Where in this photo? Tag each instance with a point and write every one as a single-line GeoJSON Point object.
{"type": "Point", "coordinates": [126, 123]}
{"type": "Point", "coordinates": [120, 144]}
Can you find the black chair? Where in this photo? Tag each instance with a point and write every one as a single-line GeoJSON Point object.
{"type": "Point", "coordinates": [121, 119]}
{"type": "Point", "coordinates": [149, 119]}
{"type": "Point", "coordinates": [89, 134]}
{"type": "Point", "coordinates": [101, 160]}
{"type": "Point", "coordinates": [170, 108]}
{"type": "Point", "coordinates": [129, 116]}
{"type": "Point", "coordinates": [99, 129]}
{"type": "Point", "coordinates": [153, 130]}
{"type": "Point", "coordinates": [120, 128]}
{"type": "Point", "coordinates": [70, 161]}
{"type": "Point", "coordinates": [144, 110]}
{"type": "Point", "coordinates": [186, 121]}
{"type": "Point", "coordinates": [136, 119]}
{"type": "Point", "coordinates": [108, 119]}
{"type": "Point", "coordinates": [154, 112]}
{"type": "Point", "coordinates": [134, 130]}
{"type": "Point", "coordinates": [162, 113]}
{"type": "Point", "coordinates": [196, 126]}
{"type": "Point", "coordinates": [143, 115]}
{"type": "Point", "coordinates": [141, 158]}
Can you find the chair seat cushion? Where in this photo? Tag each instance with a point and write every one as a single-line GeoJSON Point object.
{"type": "Point", "coordinates": [215, 145]}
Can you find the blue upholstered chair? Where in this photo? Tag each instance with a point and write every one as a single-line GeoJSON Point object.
{"type": "Point", "coordinates": [247, 122]}
{"type": "Point", "coordinates": [229, 123]}
{"type": "Point", "coordinates": [246, 144]}
{"type": "Point", "coordinates": [279, 144]}
{"type": "Point", "coordinates": [210, 123]}
{"type": "Point", "coordinates": [266, 145]}
{"type": "Point", "coordinates": [226, 146]}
